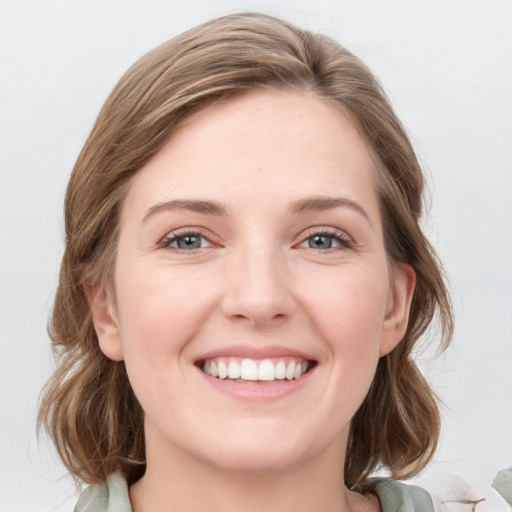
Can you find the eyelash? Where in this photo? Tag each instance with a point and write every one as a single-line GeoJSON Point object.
{"type": "Point", "coordinates": [173, 237]}
{"type": "Point", "coordinates": [344, 241]}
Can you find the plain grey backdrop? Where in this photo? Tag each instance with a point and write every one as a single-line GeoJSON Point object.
{"type": "Point", "coordinates": [447, 67]}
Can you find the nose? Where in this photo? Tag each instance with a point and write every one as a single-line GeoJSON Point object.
{"type": "Point", "coordinates": [258, 288]}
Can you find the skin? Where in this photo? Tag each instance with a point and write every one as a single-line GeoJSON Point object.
{"type": "Point", "coordinates": [258, 281]}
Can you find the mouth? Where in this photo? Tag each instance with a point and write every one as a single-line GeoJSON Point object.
{"type": "Point", "coordinates": [270, 370]}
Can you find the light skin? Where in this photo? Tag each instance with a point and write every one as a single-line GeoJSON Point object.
{"type": "Point", "coordinates": [255, 230]}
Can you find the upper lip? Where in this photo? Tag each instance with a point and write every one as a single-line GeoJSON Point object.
{"type": "Point", "coordinates": [251, 352]}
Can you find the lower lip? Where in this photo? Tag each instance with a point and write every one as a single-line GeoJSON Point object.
{"type": "Point", "coordinates": [257, 391]}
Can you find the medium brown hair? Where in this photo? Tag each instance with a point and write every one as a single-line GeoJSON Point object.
{"type": "Point", "coordinates": [88, 406]}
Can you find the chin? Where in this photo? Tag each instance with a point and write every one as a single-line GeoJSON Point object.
{"type": "Point", "coordinates": [262, 450]}
{"type": "Point", "coordinates": [256, 460]}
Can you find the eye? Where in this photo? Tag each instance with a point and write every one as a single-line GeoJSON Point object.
{"type": "Point", "coordinates": [188, 241]}
{"type": "Point", "coordinates": [326, 239]}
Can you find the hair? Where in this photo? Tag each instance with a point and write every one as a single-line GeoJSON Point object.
{"type": "Point", "coordinates": [88, 406]}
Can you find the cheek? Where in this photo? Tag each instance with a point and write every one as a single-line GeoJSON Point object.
{"type": "Point", "coordinates": [158, 308]}
{"type": "Point", "coordinates": [159, 312]}
{"type": "Point", "coordinates": [348, 311]}
{"type": "Point", "coordinates": [350, 305]}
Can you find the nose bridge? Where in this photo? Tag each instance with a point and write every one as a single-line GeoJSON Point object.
{"type": "Point", "coordinates": [258, 284]}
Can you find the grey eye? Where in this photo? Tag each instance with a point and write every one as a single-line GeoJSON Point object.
{"type": "Point", "coordinates": [189, 242]}
{"type": "Point", "coordinates": [320, 242]}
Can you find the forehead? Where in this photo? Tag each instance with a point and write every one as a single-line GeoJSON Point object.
{"type": "Point", "coordinates": [259, 143]}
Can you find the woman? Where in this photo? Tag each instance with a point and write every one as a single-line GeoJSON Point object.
{"type": "Point", "coordinates": [243, 284]}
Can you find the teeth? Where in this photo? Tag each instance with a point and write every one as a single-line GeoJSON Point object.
{"type": "Point", "coordinates": [266, 371]}
{"type": "Point", "coordinates": [290, 371]}
{"type": "Point", "coordinates": [223, 370]}
{"type": "Point", "coordinates": [280, 370]}
{"type": "Point", "coordinates": [251, 370]}
{"type": "Point", "coordinates": [233, 370]}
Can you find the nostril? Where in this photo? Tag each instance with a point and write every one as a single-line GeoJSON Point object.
{"type": "Point", "coordinates": [253, 296]}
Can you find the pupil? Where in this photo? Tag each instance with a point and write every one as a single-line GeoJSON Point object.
{"type": "Point", "coordinates": [321, 242]}
{"type": "Point", "coordinates": [189, 242]}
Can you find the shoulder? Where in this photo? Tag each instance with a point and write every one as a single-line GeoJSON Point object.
{"type": "Point", "coordinates": [447, 494]}
{"type": "Point", "coordinates": [503, 484]}
{"type": "Point", "coordinates": [111, 496]}
{"type": "Point", "coordinates": [398, 497]}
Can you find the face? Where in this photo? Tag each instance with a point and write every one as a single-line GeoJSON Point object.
{"type": "Point", "coordinates": [253, 296]}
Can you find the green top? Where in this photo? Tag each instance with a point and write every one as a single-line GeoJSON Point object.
{"type": "Point", "coordinates": [113, 497]}
{"type": "Point", "coordinates": [503, 484]}
{"type": "Point", "coordinates": [394, 496]}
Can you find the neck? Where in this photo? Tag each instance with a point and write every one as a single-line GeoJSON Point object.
{"type": "Point", "coordinates": [183, 482]}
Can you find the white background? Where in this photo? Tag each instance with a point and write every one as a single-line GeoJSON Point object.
{"type": "Point", "coordinates": [447, 66]}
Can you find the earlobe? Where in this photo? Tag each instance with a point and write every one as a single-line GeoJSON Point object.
{"type": "Point", "coordinates": [104, 320]}
{"type": "Point", "coordinates": [399, 306]}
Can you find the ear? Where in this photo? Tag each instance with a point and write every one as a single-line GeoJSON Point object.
{"type": "Point", "coordinates": [403, 280]}
{"type": "Point", "coordinates": [104, 320]}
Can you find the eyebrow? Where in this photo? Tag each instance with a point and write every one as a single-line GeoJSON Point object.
{"type": "Point", "coordinates": [301, 206]}
{"type": "Point", "coordinates": [194, 205]}
{"type": "Point", "coordinates": [320, 203]}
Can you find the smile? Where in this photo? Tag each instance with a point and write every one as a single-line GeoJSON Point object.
{"type": "Point", "coordinates": [251, 370]}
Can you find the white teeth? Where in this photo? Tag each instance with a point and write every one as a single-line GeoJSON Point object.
{"type": "Point", "coordinates": [250, 370]}
{"type": "Point", "coordinates": [266, 371]}
{"type": "Point", "coordinates": [280, 370]}
{"type": "Point", "coordinates": [223, 370]}
{"type": "Point", "coordinates": [290, 371]}
{"type": "Point", "coordinates": [233, 370]}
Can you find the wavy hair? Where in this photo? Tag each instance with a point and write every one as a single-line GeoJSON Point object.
{"type": "Point", "coordinates": [88, 406]}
